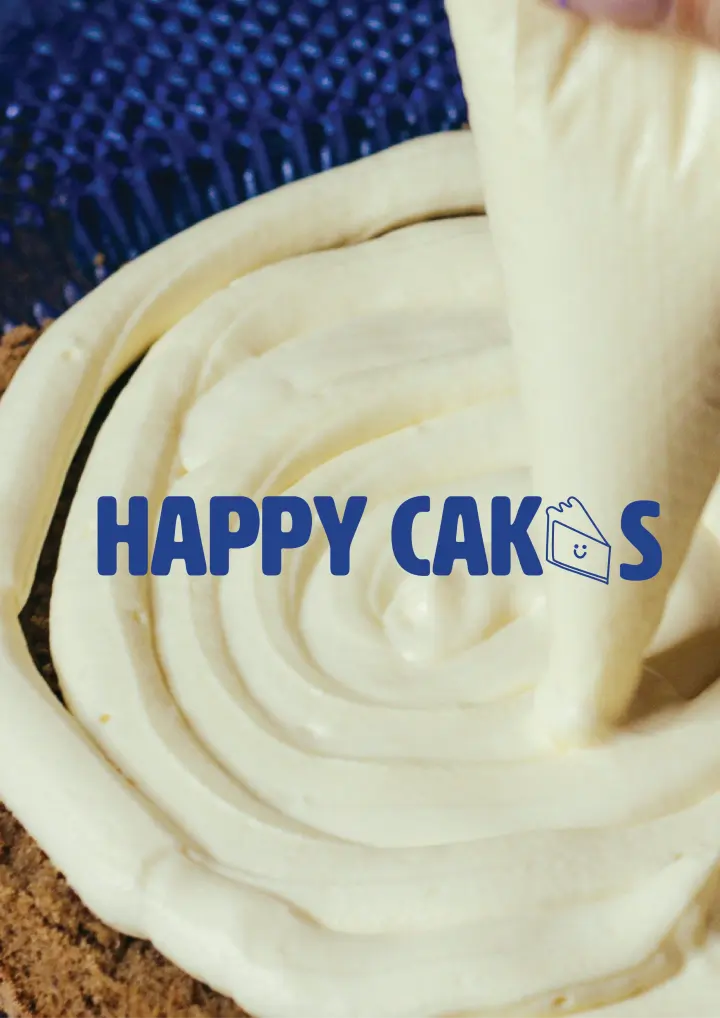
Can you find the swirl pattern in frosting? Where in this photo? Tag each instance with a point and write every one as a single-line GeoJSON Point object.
{"type": "Point", "coordinates": [323, 795]}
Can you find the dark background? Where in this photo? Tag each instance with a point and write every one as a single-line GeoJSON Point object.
{"type": "Point", "coordinates": [124, 121]}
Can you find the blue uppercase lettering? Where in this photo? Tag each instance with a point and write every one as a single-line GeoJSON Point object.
{"type": "Point", "coordinates": [222, 538]}
{"type": "Point", "coordinates": [641, 539]}
{"type": "Point", "coordinates": [285, 522]}
{"type": "Point", "coordinates": [340, 532]}
{"type": "Point", "coordinates": [401, 536]}
{"type": "Point", "coordinates": [450, 548]}
{"type": "Point", "coordinates": [134, 533]}
{"type": "Point", "coordinates": [274, 539]}
{"type": "Point", "coordinates": [189, 548]}
{"type": "Point", "coordinates": [508, 534]}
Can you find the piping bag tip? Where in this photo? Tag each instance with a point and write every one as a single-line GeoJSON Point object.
{"type": "Point", "coordinates": [586, 140]}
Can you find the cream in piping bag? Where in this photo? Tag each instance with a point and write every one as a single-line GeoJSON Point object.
{"type": "Point", "coordinates": [600, 150]}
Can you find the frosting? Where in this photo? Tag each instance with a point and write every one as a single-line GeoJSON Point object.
{"type": "Point", "coordinates": [330, 796]}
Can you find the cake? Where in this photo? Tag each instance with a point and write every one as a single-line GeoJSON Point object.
{"type": "Point", "coordinates": [334, 796]}
{"type": "Point", "coordinates": [56, 958]}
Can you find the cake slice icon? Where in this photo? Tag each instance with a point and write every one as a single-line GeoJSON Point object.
{"type": "Point", "coordinates": [575, 542]}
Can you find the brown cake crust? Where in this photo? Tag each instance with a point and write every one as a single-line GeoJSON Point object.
{"type": "Point", "coordinates": [56, 959]}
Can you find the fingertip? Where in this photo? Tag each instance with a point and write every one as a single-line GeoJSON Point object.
{"type": "Point", "coordinates": [695, 19]}
{"type": "Point", "coordinates": [630, 13]}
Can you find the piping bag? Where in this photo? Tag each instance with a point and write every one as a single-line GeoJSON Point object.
{"type": "Point", "coordinates": [600, 155]}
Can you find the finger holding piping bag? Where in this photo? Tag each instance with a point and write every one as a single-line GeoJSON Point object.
{"type": "Point", "coordinates": [600, 151]}
{"type": "Point", "coordinates": [699, 19]}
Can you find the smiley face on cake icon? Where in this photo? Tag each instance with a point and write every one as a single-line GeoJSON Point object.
{"type": "Point", "coordinates": [576, 543]}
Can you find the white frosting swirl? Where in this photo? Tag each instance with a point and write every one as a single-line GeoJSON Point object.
{"type": "Point", "coordinates": [324, 796]}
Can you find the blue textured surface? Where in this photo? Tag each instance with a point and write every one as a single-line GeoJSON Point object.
{"type": "Point", "coordinates": [124, 121]}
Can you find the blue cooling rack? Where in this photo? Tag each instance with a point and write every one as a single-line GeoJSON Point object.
{"type": "Point", "coordinates": [124, 121]}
